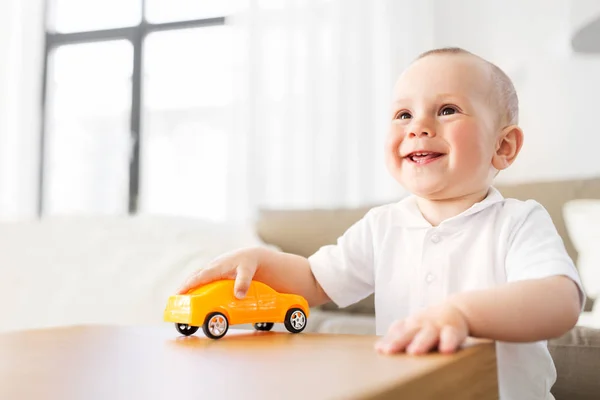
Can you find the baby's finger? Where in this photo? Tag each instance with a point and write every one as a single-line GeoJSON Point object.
{"type": "Point", "coordinates": [449, 340]}
{"type": "Point", "coordinates": [396, 341]}
{"type": "Point", "coordinates": [395, 329]}
{"type": "Point", "coordinates": [204, 276]}
{"type": "Point", "coordinates": [426, 339]}
{"type": "Point", "coordinates": [244, 275]}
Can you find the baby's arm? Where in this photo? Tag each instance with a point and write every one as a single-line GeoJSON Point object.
{"type": "Point", "coordinates": [290, 273]}
{"type": "Point", "coordinates": [524, 311]}
{"type": "Point", "coordinates": [346, 269]}
{"type": "Point", "coordinates": [286, 273]}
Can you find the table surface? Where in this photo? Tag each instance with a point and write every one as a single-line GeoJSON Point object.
{"type": "Point", "coordinates": [104, 362]}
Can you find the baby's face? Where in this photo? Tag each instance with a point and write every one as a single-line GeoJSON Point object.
{"type": "Point", "coordinates": [443, 130]}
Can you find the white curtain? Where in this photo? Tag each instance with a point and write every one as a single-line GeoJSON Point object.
{"type": "Point", "coordinates": [21, 52]}
{"type": "Point", "coordinates": [313, 94]}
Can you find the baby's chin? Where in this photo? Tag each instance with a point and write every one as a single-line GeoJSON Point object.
{"type": "Point", "coordinates": [428, 190]}
{"type": "Point", "coordinates": [445, 190]}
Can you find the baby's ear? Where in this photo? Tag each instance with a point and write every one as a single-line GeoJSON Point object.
{"type": "Point", "coordinates": [508, 147]}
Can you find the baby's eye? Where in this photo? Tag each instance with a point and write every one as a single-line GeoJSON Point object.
{"type": "Point", "coordinates": [448, 110]}
{"type": "Point", "coordinates": [403, 115]}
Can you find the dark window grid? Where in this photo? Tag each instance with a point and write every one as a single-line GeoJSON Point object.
{"type": "Point", "coordinates": [136, 35]}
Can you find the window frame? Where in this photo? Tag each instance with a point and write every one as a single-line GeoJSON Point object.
{"type": "Point", "coordinates": [136, 35]}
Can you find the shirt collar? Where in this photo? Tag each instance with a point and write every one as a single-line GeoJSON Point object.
{"type": "Point", "coordinates": [411, 216]}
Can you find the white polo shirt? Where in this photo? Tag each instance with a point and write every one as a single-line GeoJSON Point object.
{"type": "Point", "coordinates": [410, 265]}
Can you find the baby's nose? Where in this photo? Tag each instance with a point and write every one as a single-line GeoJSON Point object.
{"type": "Point", "coordinates": [418, 133]}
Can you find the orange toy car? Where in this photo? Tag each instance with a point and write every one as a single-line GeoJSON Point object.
{"type": "Point", "coordinates": [214, 307]}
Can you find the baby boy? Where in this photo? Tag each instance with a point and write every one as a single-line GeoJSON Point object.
{"type": "Point", "coordinates": [455, 258]}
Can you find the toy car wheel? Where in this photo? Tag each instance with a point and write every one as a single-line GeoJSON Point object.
{"type": "Point", "coordinates": [263, 326]}
{"type": "Point", "coordinates": [186, 329]}
{"type": "Point", "coordinates": [215, 325]}
{"type": "Point", "coordinates": [295, 320]}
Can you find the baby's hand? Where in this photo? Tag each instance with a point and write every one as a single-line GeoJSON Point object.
{"type": "Point", "coordinates": [240, 265]}
{"type": "Point", "coordinates": [444, 327]}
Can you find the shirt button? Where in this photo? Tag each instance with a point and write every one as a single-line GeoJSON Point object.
{"type": "Point", "coordinates": [429, 277]}
{"type": "Point", "coordinates": [435, 238]}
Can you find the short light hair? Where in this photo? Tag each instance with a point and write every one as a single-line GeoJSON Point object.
{"type": "Point", "coordinates": [503, 93]}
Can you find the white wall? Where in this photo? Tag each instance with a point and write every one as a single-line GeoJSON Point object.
{"type": "Point", "coordinates": [21, 52]}
{"type": "Point", "coordinates": [558, 90]}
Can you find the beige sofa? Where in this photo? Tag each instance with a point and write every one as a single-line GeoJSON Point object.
{"type": "Point", "coordinates": [120, 270]}
{"type": "Point", "coordinates": [576, 354]}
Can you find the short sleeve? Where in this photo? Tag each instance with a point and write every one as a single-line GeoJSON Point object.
{"type": "Point", "coordinates": [345, 270]}
{"type": "Point", "coordinates": [537, 250]}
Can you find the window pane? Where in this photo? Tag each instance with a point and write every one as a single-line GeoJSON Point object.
{"type": "Point", "coordinates": [88, 134]}
{"type": "Point", "coordinates": [179, 10]}
{"type": "Point", "coordinates": [187, 97]}
{"type": "Point", "coordinates": [88, 15]}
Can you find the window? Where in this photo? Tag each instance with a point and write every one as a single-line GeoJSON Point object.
{"type": "Point", "coordinates": [135, 98]}
{"type": "Point", "coordinates": [88, 129]}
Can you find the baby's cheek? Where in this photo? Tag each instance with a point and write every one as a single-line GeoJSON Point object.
{"type": "Point", "coordinates": [394, 139]}
{"type": "Point", "coordinates": [471, 149]}
{"type": "Point", "coordinates": [392, 145]}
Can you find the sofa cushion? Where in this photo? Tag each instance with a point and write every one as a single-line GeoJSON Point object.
{"type": "Point", "coordinates": [582, 219]}
{"type": "Point", "coordinates": [577, 358]}
{"type": "Point", "coordinates": [103, 270]}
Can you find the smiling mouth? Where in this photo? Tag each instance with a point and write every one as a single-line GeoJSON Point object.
{"type": "Point", "coordinates": [423, 157]}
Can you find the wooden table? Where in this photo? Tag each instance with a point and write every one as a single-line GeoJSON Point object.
{"type": "Point", "coordinates": [99, 362]}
